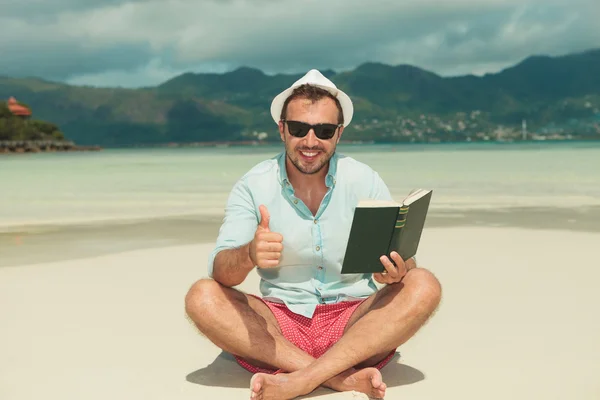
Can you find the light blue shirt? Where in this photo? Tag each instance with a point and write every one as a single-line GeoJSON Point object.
{"type": "Point", "coordinates": [313, 246]}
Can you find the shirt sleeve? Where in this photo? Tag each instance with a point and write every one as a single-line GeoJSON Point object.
{"type": "Point", "coordinates": [239, 224]}
{"type": "Point", "coordinates": [379, 190]}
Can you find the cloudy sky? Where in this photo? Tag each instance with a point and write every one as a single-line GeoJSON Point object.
{"type": "Point", "coordinates": [134, 43]}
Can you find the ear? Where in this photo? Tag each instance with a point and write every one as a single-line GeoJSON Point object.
{"type": "Point", "coordinates": [340, 131]}
{"type": "Point", "coordinates": [281, 131]}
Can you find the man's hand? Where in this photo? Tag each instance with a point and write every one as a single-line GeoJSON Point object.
{"type": "Point", "coordinates": [394, 274]}
{"type": "Point", "coordinates": [265, 249]}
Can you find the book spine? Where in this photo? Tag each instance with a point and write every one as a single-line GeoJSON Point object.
{"type": "Point", "coordinates": [397, 233]}
{"type": "Point", "coordinates": [401, 219]}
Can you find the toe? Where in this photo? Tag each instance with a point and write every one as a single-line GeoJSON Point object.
{"type": "Point", "coordinates": [379, 392]}
{"type": "Point", "coordinates": [255, 386]}
{"type": "Point", "coordinates": [376, 380]}
{"type": "Point", "coordinates": [256, 395]}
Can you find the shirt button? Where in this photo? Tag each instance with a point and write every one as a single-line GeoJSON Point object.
{"type": "Point", "coordinates": [316, 220]}
{"type": "Point", "coordinates": [295, 201]}
{"type": "Point", "coordinates": [319, 267]}
{"type": "Point", "coordinates": [318, 248]}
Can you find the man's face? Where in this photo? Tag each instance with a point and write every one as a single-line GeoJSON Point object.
{"type": "Point", "coordinates": [309, 154]}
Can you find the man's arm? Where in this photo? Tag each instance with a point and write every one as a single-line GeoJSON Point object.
{"type": "Point", "coordinates": [229, 263]}
{"type": "Point", "coordinates": [232, 266]}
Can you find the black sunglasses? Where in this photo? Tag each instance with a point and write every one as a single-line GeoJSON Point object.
{"type": "Point", "coordinates": [322, 131]}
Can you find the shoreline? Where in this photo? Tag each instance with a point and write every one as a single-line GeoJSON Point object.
{"type": "Point", "coordinates": [22, 245]}
{"type": "Point", "coordinates": [542, 215]}
{"type": "Point", "coordinates": [354, 142]}
{"type": "Point", "coordinates": [42, 146]}
{"type": "Point", "coordinates": [362, 142]}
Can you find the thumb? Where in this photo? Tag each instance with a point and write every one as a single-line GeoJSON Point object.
{"type": "Point", "coordinates": [264, 217]}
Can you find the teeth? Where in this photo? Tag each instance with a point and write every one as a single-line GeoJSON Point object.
{"type": "Point", "coordinates": [309, 154]}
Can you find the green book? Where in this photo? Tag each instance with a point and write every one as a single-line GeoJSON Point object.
{"type": "Point", "coordinates": [380, 227]}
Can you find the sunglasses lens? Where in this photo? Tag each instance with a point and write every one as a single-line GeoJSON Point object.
{"type": "Point", "coordinates": [298, 129]}
{"type": "Point", "coordinates": [326, 131]}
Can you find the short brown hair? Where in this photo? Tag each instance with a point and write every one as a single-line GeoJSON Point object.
{"type": "Point", "coordinates": [314, 94]}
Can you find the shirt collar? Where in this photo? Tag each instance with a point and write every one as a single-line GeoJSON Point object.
{"type": "Point", "coordinates": [330, 179]}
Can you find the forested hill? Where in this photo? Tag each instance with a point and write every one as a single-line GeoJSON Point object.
{"type": "Point", "coordinates": [553, 95]}
{"type": "Point", "coordinates": [17, 128]}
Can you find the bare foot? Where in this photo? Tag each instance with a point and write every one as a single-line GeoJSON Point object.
{"type": "Point", "coordinates": [366, 380]}
{"type": "Point", "coordinates": [278, 387]}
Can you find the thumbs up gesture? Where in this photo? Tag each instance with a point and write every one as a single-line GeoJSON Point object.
{"type": "Point", "coordinates": [266, 247]}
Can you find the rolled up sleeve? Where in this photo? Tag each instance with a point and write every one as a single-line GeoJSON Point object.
{"type": "Point", "coordinates": [379, 190]}
{"type": "Point", "coordinates": [239, 223]}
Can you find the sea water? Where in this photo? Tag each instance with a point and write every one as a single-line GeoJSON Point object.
{"type": "Point", "coordinates": [149, 183]}
{"type": "Point", "coordinates": [45, 199]}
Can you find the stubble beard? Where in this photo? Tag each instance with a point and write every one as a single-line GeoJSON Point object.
{"type": "Point", "coordinates": [293, 156]}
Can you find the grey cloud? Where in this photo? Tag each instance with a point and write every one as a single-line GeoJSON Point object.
{"type": "Point", "coordinates": [34, 9]}
{"type": "Point", "coordinates": [309, 40]}
{"type": "Point", "coordinates": [465, 36]}
{"type": "Point", "coordinates": [549, 31]}
{"type": "Point", "coordinates": [62, 61]}
{"type": "Point", "coordinates": [109, 42]}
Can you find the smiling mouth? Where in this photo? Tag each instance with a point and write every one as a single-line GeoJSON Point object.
{"type": "Point", "coordinates": [309, 153]}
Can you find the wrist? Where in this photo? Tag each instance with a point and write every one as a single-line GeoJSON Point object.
{"type": "Point", "coordinates": [250, 263]}
{"type": "Point", "coordinates": [378, 285]}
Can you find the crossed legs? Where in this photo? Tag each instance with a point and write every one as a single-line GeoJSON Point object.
{"type": "Point", "coordinates": [242, 325]}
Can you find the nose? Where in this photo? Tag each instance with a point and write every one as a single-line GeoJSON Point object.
{"type": "Point", "coordinates": [311, 138]}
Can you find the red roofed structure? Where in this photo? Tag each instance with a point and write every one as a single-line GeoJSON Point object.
{"type": "Point", "coordinates": [17, 109]}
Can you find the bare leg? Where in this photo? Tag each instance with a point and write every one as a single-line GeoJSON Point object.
{"type": "Point", "coordinates": [397, 312]}
{"type": "Point", "coordinates": [245, 326]}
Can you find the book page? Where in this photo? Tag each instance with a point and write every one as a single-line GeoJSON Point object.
{"type": "Point", "coordinates": [414, 196]}
{"type": "Point", "coordinates": [377, 203]}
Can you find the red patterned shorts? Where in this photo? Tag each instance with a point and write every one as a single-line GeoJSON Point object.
{"type": "Point", "coordinates": [313, 335]}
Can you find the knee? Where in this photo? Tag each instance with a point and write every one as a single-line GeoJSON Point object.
{"type": "Point", "coordinates": [426, 288]}
{"type": "Point", "coordinates": [201, 297]}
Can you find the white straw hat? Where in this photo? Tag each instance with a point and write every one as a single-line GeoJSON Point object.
{"type": "Point", "coordinates": [315, 78]}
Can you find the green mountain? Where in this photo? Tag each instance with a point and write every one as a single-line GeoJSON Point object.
{"type": "Point", "coordinates": [555, 95]}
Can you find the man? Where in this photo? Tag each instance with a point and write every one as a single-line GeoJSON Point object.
{"type": "Point", "coordinates": [289, 217]}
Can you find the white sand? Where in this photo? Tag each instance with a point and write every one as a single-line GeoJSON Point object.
{"type": "Point", "coordinates": [519, 320]}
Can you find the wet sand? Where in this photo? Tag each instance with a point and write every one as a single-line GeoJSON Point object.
{"type": "Point", "coordinates": [46, 243]}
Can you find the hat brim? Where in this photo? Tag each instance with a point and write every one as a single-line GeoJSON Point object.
{"type": "Point", "coordinates": [343, 98]}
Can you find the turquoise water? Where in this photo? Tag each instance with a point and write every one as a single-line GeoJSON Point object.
{"type": "Point", "coordinates": [140, 183]}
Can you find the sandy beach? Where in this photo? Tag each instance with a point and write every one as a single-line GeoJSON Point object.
{"type": "Point", "coordinates": [517, 321]}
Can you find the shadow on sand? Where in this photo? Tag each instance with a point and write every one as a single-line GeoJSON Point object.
{"type": "Point", "coordinates": [224, 371]}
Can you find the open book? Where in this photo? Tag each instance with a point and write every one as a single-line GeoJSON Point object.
{"type": "Point", "coordinates": [380, 227]}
